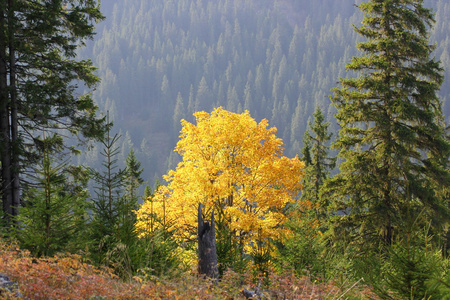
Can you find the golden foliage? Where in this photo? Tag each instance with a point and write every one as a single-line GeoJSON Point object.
{"type": "Point", "coordinates": [230, 164]}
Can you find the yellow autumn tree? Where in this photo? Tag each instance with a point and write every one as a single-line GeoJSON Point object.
{"type": "Point", "coordinates": [233, 165]}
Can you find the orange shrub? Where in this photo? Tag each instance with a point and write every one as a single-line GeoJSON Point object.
{"type": "Point", "coordinates": [67, 277]}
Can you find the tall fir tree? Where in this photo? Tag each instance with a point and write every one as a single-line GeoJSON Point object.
{"type": "Point", "coordinates": [392, 138]}
{"type": "Point", "coordinates": [39, 74]}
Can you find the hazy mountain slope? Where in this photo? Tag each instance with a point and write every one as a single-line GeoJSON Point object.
{"type": "Point", "coordinates": [162, 60]}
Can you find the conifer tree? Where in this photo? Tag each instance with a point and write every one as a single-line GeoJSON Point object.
{"type": "Point", "coordinates": [39, 73]}
{"type": "Point", "coordinates": [54, 216]}
{"type": "Point", "coordinates": [129, 203]}
{"type": "Point", "coordinates": [315, 155]}
{"type": "Point", "coordinates": [306, 150]}
{"type": "Point", "coordinates": [302, 249]}
{"type": "Point", "coordinates": [106, 206]}
{"type": "Point", "coordinates": [133, 178]}
{"type": "Point", "coordinates": [392, 136]}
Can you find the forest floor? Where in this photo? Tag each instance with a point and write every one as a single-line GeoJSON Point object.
{"type": "Point", "coordinates": [68, 277]}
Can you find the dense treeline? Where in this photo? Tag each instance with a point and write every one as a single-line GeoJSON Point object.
{"type": "Point", "coordinates": [162, 61]}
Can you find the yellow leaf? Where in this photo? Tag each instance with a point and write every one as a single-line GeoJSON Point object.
{"type": "Point", "coordinates": [231, 164]}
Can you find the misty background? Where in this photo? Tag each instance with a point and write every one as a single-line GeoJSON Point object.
{"type": "Point", "coordinates": [161, 61]}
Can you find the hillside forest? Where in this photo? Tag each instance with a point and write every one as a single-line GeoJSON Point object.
{"type": "Point", "coordinates": [161, 62]}
{"type": "Point", "coordinates": [310, 138]}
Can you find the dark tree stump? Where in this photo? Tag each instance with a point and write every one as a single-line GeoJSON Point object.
{"type": "Point", "coordinates": [207, 252]}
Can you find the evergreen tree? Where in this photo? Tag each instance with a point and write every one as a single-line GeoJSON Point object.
{"type": "Point", "coordinates": [315, 155]}
{"type": "Point", "coordinates": [38, 78]}
{"type": "Point", "coordinates": [392, 136]}
{"type": "Point", "coordinates": [54, 216]}
{"type": "Point", "coordinates": [303, 248]}
{"type": "Point", "coordinates": [129, 203]}
{"type": "Point", "coordinates": [306, 150]}
{"type": "Point", "coordinates": [133, 178]}
{"type": "Point", "coordinates": [114, 240]}
{"type": "Point", "coordinates": [106, 207]}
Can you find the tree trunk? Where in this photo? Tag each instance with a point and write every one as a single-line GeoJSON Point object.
{"type": "Point", "coordinates": [15, 188]}
{"type": "Point", "coordinates": [446, 246]}
{"type": "Point", "coordinates": [207, 252]}
{"type": "Point", "coordinates": [5, 141]}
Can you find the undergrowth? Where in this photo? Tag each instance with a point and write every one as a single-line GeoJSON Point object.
{"type": "Point", "coordinates": [67, 276]}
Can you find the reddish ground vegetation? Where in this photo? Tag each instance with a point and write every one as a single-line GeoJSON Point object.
{"type": "Point", "coordinates": [67, 277]}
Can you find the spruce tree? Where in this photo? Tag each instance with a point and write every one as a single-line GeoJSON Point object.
{"type": "Point", "coordinates": [392, 139]}
{"type": "Point", "coordinates": [133, 179]}
{"type": "Point", "coordinates": [315, 155]}
{"type": "Point", "coordinates": [129, 203]}
{"type": "Point", "coordinates": [39, 74]}
{"type": "Point", "coordinates": [54, 214]}
{"type": "Point", "coordinates": [109, 188]}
